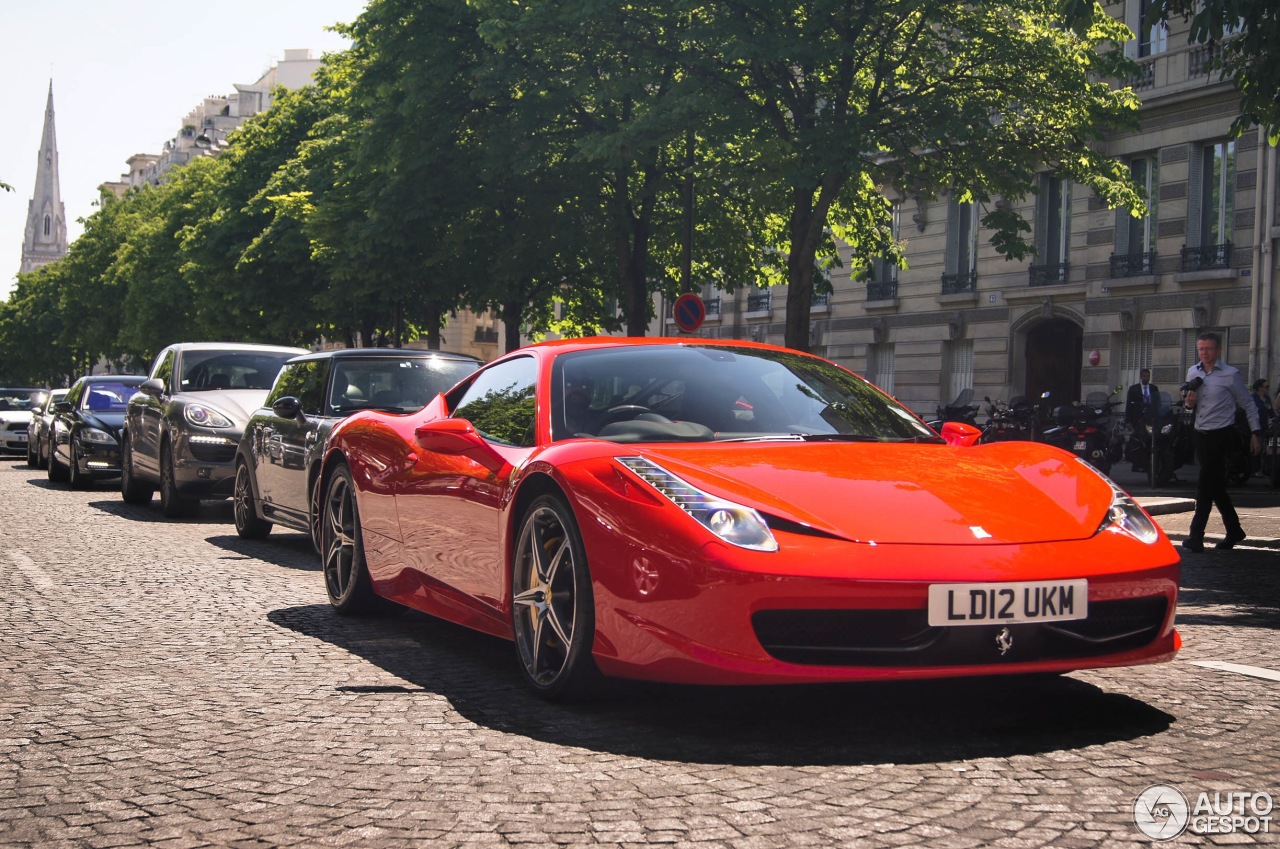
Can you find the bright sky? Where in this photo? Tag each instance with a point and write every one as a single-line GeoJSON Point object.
{"type": "Point", "coordinates": [125, 72]}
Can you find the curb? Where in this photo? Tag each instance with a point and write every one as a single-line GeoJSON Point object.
{"type": "Point", "coordinates": [1162, 506]}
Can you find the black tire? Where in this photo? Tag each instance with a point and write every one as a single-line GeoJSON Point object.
{"type": "Point", "coordinates": [57, 472]}
{"type": "Point", "coordinates": [33, 454]}
{"type": "Point", "coordinates": [132, 490]}
{"type": "Point", "coordinates": [42, 459]}
{"type": "Point", "coordinates": [552, 603]}
{"type": "Point", "coordinates": [314, 511]}
{"type": "Point", "coordinates": [249, 525]}
{"type": "Point", "coordinates": [172, 505]}
{"type": "Point", "coordinates": [346, 575]}
{"type": "Point", "coordinates": [75, 478]}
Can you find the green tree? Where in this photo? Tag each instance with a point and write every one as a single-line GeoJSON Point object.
{"type": "Point", "coordinates": [1244, 35]}
{"type": "Point", "coordinates": [849, 98]}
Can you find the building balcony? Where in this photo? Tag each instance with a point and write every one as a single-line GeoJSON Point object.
{"type": "Point", "coordinates": [1048, 275]}
{"type": "Point", "coordinates": [713, 307]}
{"type": "Point", "coordinates": [1206, 257]}
{"type": "Point", "coordinates": [960, 284]}
{"type": "Point", "coordinates": [487, 335]}
{"type": "Point", "coordinates": [882, 290]}
{"type": "Point", "coordinates": [759, 305]}
{"type": "Point", "coordinates": [1133, 265]}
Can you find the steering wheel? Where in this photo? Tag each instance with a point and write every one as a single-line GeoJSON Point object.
{"type": "Point", "coordinates": [622, 412]}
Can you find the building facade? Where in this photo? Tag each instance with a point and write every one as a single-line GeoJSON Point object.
{"type": "Point", "coordinates": [1106, 294]}
{"type": "Point", "coordinates": [45, 237]}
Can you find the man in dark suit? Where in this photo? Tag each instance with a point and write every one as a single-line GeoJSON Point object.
{"type": "Point", "coordinates": [1140, 397]}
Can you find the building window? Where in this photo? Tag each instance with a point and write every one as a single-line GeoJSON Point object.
{"type": "Point", "coordinates": [1153, 37]}
{"type": "Point", "coordinates": [1211, 205]}
{"type": "Point", "coordinates": [48, 225]}
{"type": "Point", "coordinates": [961, 272]}
{"type": "Point", "coordinates": [1136, 237]}
{"type": "Point", "coordinates": [880, 365]}
{"type": "Point", "coordinates": [1135, 354]}
{"type": "Point", "coordinates": [883, 284]}
{"type": "Point", "coordinates": [1053, 231]}
{"type": "Point", "coordinates": [960, 368]}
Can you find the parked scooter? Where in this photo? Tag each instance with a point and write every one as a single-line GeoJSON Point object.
{"type": "Point", "coordinates": [1083, 429]}
{"type": "Point", "coordinates": [959, 410]}
{"type": "Point", "coordinates": [1014, 420]}
{"type": "Point", "coordinates": [1162, 443]}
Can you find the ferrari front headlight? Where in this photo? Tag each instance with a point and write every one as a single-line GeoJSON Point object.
{"type": "Point", "coordinates": [733, 523]}
{"type": "Point", "coordinates": [1125, 516]}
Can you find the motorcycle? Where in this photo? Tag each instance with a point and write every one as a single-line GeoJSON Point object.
{"type": "Point", "coordinates": [1014, 420]}
{"type": "Point", "coordinates": [959, 410]}
{"type": "Point", "coordinates": [1162, 443]}
{"type": "Point", "coordinates": [1082, 429]}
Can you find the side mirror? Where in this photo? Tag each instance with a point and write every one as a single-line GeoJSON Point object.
{"type": "Point", "coordinates": [458, 437]}
{"type": "Point", "coordinates": [959, 433]}
{"type": "Point", "coordinates": [287, 407]}
{"type": "Point", "coordinates": [62, 406]}
{"type": "Point", "coordinates": [153, 386]}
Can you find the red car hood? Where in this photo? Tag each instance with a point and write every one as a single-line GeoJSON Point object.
{"type": "Point", "coordinates": [1010, 492]}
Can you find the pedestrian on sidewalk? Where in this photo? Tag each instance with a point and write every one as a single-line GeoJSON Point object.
{"type": "Point", "coordinates": [1215, 390]}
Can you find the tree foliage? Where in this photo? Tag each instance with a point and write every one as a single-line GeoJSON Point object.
{"type": "Point", "coordinates": [559, 163]}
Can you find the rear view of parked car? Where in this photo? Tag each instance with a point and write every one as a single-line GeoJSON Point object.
{"type": "Point", "coordinates": [279, 457]}
{"type": "Point", "coordinates": [38, 430]}
{"type": "Point", "coordinates": [182, 429]}
{"type": "Point", "coordinates": [83, 442]}
{"type": "Point", "coordinates": [16, 404]}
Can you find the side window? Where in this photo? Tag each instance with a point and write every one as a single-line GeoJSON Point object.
{"type": "Point", "coordinates": [163, 369]}
{"type": "Point", "coordinates": [74, 395]}
{"type": "Point", "coordinates": [304, 381]}
{"type": "Point", "coordinates": [500, 402]}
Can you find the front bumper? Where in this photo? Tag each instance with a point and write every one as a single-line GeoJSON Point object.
{"type": "Point", "coordinates": [204, 464]}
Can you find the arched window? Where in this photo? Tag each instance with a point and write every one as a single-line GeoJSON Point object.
{"type": "Point", "coordinates": [48, 223]}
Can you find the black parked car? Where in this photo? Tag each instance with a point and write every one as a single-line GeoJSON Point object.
{"type": "Point", "coordinates": [38, 430]}
{"type": "Point", "coordinates": [182, 429]}
{"type": "Point", "coordinates": [84, 435]}
{"type": "Point", "coordinates": [278, 461]}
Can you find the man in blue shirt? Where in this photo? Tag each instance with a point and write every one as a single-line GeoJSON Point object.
{"type": "Point", "coordinates": [1215, 390]}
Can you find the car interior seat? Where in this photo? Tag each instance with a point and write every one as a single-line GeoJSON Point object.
{"type": "Point", "coordinates": [219, 381]}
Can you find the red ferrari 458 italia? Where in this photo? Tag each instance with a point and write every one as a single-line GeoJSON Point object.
{"type": "Point", "coordinates": [727, 512]}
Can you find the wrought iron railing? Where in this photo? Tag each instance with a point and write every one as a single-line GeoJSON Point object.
{"type": "Point", "coordinates": [1048, 275]}
{"type": "Point", "coordinates": [958, 284]}
{"type": "Point", "coordinates": [882, 290]}
{"type": "Point", "coordinates": [712, 305]}
{"type": "Point", "coordinates": [820, 301]}
{"type": "Point", "coordinates": [1133, 265]}
{"type": "Point", "coordinates": [486, 334]}
{"type": "Point", "coordinates": [759, 303]}
{"type": "Point", "coordinates": [1206, 256]}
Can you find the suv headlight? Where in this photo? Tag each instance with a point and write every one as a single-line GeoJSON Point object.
{"type": "Point", "coordinates": [733, 523]}
{"type": "Point", "coordinates": [202, 416]}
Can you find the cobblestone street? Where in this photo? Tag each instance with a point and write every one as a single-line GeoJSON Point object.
{"type": "Point", "coordinates": [165, 683]}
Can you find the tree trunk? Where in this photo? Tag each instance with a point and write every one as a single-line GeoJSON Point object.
{"type": "Point", "coordinates": [511, 311]}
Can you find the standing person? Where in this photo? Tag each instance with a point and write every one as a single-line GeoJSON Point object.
{"type": "Point", "coordinates": [1214, 390]}
{"type": "Point", "coordinates": [1139, 398]}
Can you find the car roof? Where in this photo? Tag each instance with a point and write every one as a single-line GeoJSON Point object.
{"type": "Point", "coordinates": [384, 353]}
{"type": "Point", "coordinates": [112, 378]}
{"type": "Point", "coordinates": [587, 343]}
{"type": "Point", "coordinates": [231, 346]}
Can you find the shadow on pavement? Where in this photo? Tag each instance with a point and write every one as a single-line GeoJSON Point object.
{"type": "Point", "coordinates": [901, 722]}
{"type": "Point", "coordinates": [288, 549]}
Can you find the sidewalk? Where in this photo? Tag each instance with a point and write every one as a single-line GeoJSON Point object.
{"type": "Point", "coordinates": [1178, 496]}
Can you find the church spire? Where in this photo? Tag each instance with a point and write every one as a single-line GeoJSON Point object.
{"type": "Point", "coordinates": [46, 235]}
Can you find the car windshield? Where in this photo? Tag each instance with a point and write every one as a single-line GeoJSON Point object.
{"type": "Point", "coordinates": [20, 399]}
{"type": "Point", "coordinates": [206, 370]}
{"type": "Point", "coordinates": [107, 397]}
{"type": "Point", "coordinates": [690, 393]}
{"type": "Point", "coordinates": [397, 385]}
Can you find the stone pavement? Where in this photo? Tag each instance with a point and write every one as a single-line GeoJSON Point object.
{"type": "Point", "coordinates": [167, 684]}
